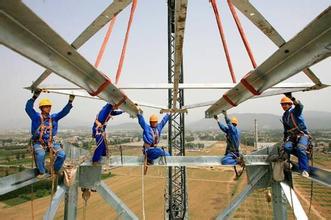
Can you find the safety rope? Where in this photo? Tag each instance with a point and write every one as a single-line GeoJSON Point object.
{"type": "Point", "coordinates": [242, 33]}
{"type": "Point", "coordinates": [311, 183]}
{"type": "Point", "coordinates": [221, 31]}
{"type": "Point", "coordinates": [105, 41]}
{"type": "Point", "coordinates": [143, 191]}
{"type": "Point", "coordinates": [120, 65]}
{"type": "Point", "coordinates": [32, 191]}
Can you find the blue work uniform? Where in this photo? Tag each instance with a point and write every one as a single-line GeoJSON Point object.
{"type": "Point", "coordinates": [296, 138]}
{"type": "Point", "coordinates": [232, 142]}
{"type": "Point", "coordinates": [99, 132]}
{"type": "Point", "coordinates": [151, 137]}
{"type": "Point", "coordinates": [43, 130]}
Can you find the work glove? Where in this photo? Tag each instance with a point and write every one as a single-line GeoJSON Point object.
{"type": "Point", "coordinates": [36, 94]}
{"type": "Point", "coordinates": [216, 117]}
{"type": "Point", "coordinates": [225, 114]}
{"type": "Point", "coordinates": [289, 95]}
{"type": "Point", "coordinates": [71, 98]}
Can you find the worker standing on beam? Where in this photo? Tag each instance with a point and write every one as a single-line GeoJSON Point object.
{"type": "Point", "coordinates": [296, 137]}
{"type": "Point", "coordinates": [44, 128]}
{"type": "Point", "coordinates": [151, 136]}
{"type": "Point", "coordinates": [99, 131]}
{"type": "Point", "coordinates": [231, 156]}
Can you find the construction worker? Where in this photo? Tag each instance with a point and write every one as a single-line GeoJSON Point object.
{"type": "Point", "coordinates": [296, 137]}
{"type": "Point", "coordinates": [44, 129]}
{"type": "Point", "coordinates": [151, 136]}
{"type": "Point", "coordinates": [231, 156]}
{"type": "Point", "coordinates": [98, 131]}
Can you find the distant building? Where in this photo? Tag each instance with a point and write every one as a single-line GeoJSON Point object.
{"type": "Point", "coordinates": [261, 145]}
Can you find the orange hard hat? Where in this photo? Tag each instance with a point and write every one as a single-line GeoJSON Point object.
{"type": "Point", "coordinates": [286, 100]}
{"type": "Point", "coordinates": [153, 118]}
{"type": "Point", "coordinates": [234, 120]}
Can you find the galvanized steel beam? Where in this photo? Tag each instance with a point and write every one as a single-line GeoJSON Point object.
{"type": "Point", "coordinates": [260, 22]}
{"type": "Point", "coordinates": [294, 202]}
{"type": "Point", "coordinates": [317, 175]}
{"type": "Point", "coordinates": [111, 11]}
{"type": "Point", "coordinates": [18, 180]}
{"type": "Point", "coordinates": [234, 204]}
{"type": "Point", "coordinates": [24, 32]}
{"type": "Point", "coordinates": [119, 206]}
{"type": "Point", "coordinates": [308, 47]}
{"type": "Point", "coordinates": [57, 198]}
{"type": "Point", "coordinates": [195, 161]}
{"type": "Point", "coordinates": [278, 202]}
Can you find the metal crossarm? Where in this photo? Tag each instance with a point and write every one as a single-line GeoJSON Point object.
{"type": "Point", "coordinates": [308, 47]}
{"type": "Point", "coordinates": [24, 32]}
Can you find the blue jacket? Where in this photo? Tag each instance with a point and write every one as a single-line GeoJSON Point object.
{"type": "Point", "coordinates": [296, 111]}
{"type": "Point", "coordinates": [149, 131]}
{"type": "Point", "coordinates": [36, 119]}
{"type": "Point", "coordinates": [232, 136]}
{"type": "Point", "coordinates": [103, 117]}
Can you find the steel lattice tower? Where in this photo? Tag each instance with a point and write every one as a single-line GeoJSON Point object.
{"type": "Point", "coordinates": [176, 204]}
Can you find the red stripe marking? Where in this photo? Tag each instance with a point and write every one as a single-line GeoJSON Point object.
{"type": "Point", "coordinates": [249, 87]}
{"type": "Point", "coordinates": [229, 100]}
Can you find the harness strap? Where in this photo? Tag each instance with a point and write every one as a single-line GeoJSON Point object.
{"type": "Point", "coordinates": [295, 125]}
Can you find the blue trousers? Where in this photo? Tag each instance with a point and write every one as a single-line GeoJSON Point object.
{"type": "Point", "coordinates": [229, 159]}
{"type": "Point", "coordinates": [155, 152]}
{"type": "Point", "coordinates": [298, 148]}
{"type": "Point", "coordinates": [40, 153]}
{"type": "Point", "coordinates": [101, 149]}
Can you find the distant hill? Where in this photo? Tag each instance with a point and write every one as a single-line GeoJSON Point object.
{"type": "Point", "coordinates": [314, 120]}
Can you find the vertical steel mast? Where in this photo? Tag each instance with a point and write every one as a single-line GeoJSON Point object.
{"type": "Point", "coordinates": [176, 202]}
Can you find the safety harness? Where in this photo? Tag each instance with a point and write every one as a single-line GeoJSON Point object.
{"type": "Point", "coordinates": [146, 147]}
{"type": "Point", "coordinates": [295, 133]}
{"type": "Point", "coordinates": [239, 157]}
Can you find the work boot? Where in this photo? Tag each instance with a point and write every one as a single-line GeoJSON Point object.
{"type": "Point", "coordinates": [43, 176]}
{"type": "Point", "coordinates": [305, 173]}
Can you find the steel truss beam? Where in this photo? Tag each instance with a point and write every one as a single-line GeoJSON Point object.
{"type": "Point", "coordinates": [308, 47]}
{"type": "Point", "coordinates": [24, 32]}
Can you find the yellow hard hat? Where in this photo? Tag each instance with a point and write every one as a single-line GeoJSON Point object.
{"type": "Point", "coordinates": [153, 118]}
{"type": "Point", "coordinates": [286, 100]}
{"type": "Point", "coordinates": [234, 120]}
{"type": "Point", "coordinates": [45, 102]}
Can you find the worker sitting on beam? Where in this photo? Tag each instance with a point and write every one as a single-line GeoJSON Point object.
{"type": "Point", "coordinates": [151, 136]}
{"type": "Point", "coordinates": [44, 129]}
{"type": "Point", "coordinates": [296, 137]}
{"type": "Point", "coordinates": [231, 156]}
{"type": "Point", "coordinates": [99, 131]}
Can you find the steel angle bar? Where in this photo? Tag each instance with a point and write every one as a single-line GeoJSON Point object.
{"type": "Point", "coordinates": [308, 47]}
{"type": "Point", "coordinates": [180, 19]}
{"type": "Point", "coordinates": [17, 181]}
{"type": "Point", "coordinates": [260, 22]}
{"type": "Point", "coordinates": [40, 79]}
{"type": "Point", "coordinates": [317, 175]}
{"type": "Point", "coordinates": [169, 161]}
{"type": "Point", "coordinates": [24, 32]}
{"type": "Point", "coordinates": [119, 206]}
{"type": "Point", "coordinates": [57, 198]}
{"type": "Point", "coordinates": [144, 86]}
{"type": "Point", "coordinates": [293, 201]}
{"type": "Point", "coordinates": [111, 11]}
{"type": "Point", "coordinates": [225, 214]}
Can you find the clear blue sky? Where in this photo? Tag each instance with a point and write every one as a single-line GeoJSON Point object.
{"type": "Point", "coordinates": [146, 59]}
